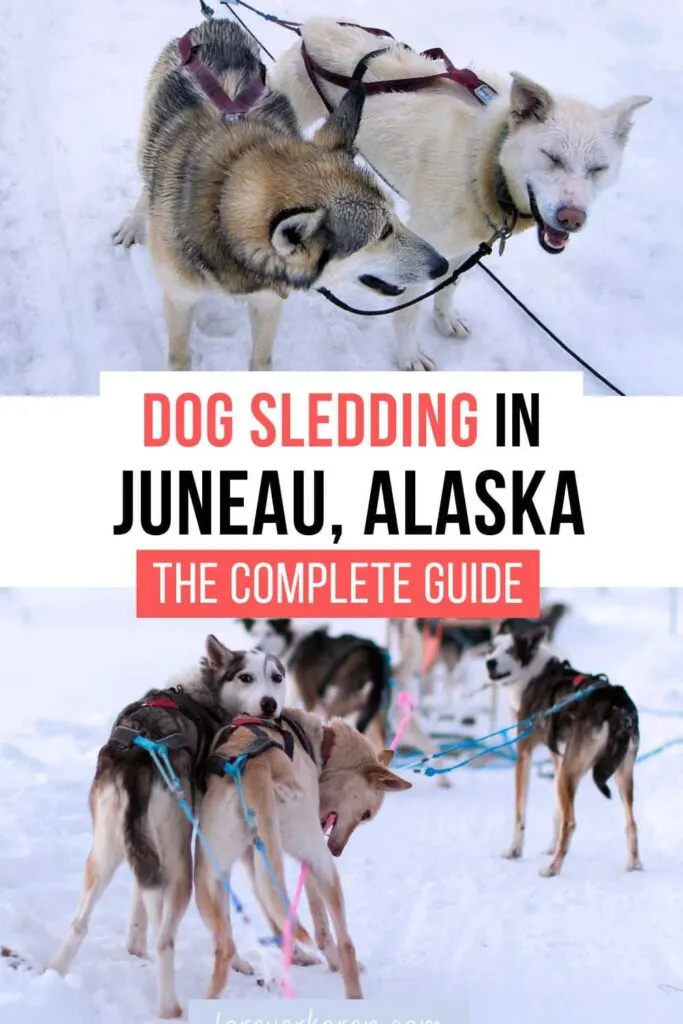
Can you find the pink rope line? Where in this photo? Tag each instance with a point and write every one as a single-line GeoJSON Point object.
{"type": "Point", "coordinates": [288, 930]}
{"type": "Point", "coordinates": [407, 704]}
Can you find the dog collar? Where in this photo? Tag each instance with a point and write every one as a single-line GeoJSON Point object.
{"type": "Point", "coordinates": [503, 197]}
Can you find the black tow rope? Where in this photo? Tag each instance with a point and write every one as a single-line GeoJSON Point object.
{"type": "Point", "coordinates": [484, 249]}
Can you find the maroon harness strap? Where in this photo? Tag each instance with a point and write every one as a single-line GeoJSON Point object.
{"type": "Point", "coordinates": [464, 77]}
{"type": "Point", "coordinates": [232, 110]}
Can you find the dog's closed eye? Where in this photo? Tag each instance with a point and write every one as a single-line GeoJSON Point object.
{"type": "Point", "coordinates": [554, 159]}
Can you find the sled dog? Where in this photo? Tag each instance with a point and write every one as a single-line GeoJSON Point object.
{"type": "Point", "coordinates": [137, 819]}
{"type": "Point", "coordinates": [597, 732]}
{"type": "Point", "coordinates": [236, 201]}
{"type": "Point", "coordinates": [528, 157]}
{"type": "Point", "coordinates": [298, 773]}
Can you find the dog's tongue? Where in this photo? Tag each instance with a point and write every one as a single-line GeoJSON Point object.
{"type": "Point", "coordinates": [554, 239]}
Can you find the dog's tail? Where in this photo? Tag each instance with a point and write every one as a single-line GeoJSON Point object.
{"type": "Point", "coordinates": [268, 862]}
{"type": "Point", "coordinates": [141, 851]}
{"type": "Point", "coordinates": [380, 673]}
{"type": "Point", "coordinates": [622, 733]}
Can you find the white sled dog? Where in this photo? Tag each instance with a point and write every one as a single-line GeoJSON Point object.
{"type": "Point", "coordinates": [466, 169]}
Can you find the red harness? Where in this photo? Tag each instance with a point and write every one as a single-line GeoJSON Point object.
{"type": "Point", "coordinates": [232, 110]}
{"type": "Point", "coordinates": [464, 77]}
{"type": "Point", "coordinates": [161, 702]}
{"type": "Point", "coordinates": [577, 680]}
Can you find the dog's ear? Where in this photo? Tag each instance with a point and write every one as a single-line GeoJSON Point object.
{"type": "Point", "coordinates": [384, 780]}
{"type": "Point", "coordinates": [293, 228]}
{"type": "Point", "coordinates": [385, 757]}
{"type": "Point", "coordinates": [527, 643]}
{"type": "Point", "coordinates": [620, 116]}
{"type": "Point", "coordinates": [506, 626]}
{"type": "Point", "coordinates": [218, 656]}
{"type": "Point", "coordinates": [341, 127]}
{"type": "Point", "coordinates": [534, 637]}
{"type": "Point", "coordinates": [528, 99]}
{"type": "Point", "coordinates": [282, 624]}
{"type": "Point", "coordinates": [247, 623]}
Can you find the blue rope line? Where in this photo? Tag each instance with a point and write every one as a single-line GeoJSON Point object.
{"type": "Point", "coordinates": [234, 770]}
{"type": "Point", "coordinates": [658, 750]}
{"type": "Point", "coordinates": [662, 712]}
{"type": "Point", "coordinates": [159, 754]}
{"type": "Point", "coordinates": [524, 727]}
{"type": "Point", "coordinates": [485, 750]}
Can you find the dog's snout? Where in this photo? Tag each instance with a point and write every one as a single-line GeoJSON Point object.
{"type": "Point", "coordinates": [572, 218]}
{"type": "Point", "coordinates": [491, 664]}
{"type": "Point", "coordinates": [268, 707]}
{"type": "Point", "coordinates": [438, 268]}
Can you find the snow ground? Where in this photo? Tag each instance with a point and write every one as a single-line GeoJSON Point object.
{"type": "Point", "coordinates": [71, 79]}
{"type": "Point", "coordinates": [433, 908]}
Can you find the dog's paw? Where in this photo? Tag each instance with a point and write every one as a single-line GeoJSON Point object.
{"type": "Point", "coordinates": [514, 853]}
{"type": "Point", "coordinates": [172, 1011]}
{"type": "Point", "coordinates": [260, 364]}
{"type": "Point", "coordinates": [444, 782]}
{"type": "Point", "coordinates": [451, 325]}
{"type": "Point", "coordinates": [137, 950]}
{"type": "Point", "coordinates": [634, 865]}
{"type": "Point", "coordinates": [241, 966]}
{"type": "Point", "coordinates": [179, 363]}
{"type": "Point", "coordinates": [416, 361]}
{"type": "Point", "coordinates": [550, 872]}
{"type": "Point", "coordinates": [302, 958]}
{"type": "Point", "coordinates": [130, 231]}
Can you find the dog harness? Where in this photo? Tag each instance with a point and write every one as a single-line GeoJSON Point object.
{"type": "Point", "coordinates": [182, 705]}
{"type": "Point", "coordinates": [216, 764]}
{"type": "Point", "coordinates": [231, 109]}
{"type": "Point", "coordinates": [481, 91]}
{"type": "Point", "coordinates": [564, 668]}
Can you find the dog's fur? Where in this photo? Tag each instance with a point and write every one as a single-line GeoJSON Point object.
{"type": "Point", "coordinates": [598, 732]}
{"type": "Point", "coordinates": [137, 819]}
{"type": "Point", "coordinates": [453, 159]}
{"type": "Point", "coordinates": [252, 209]}
{"type": "Point", "coordinates": [343, 676]}
{"type": "Point", "coordinates": [289, 800]}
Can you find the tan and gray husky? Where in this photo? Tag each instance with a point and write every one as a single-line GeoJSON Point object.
{"type": "Point", "coordinates": [241, 204]}
{"type": "Point", "coordinates": [464, 167]}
